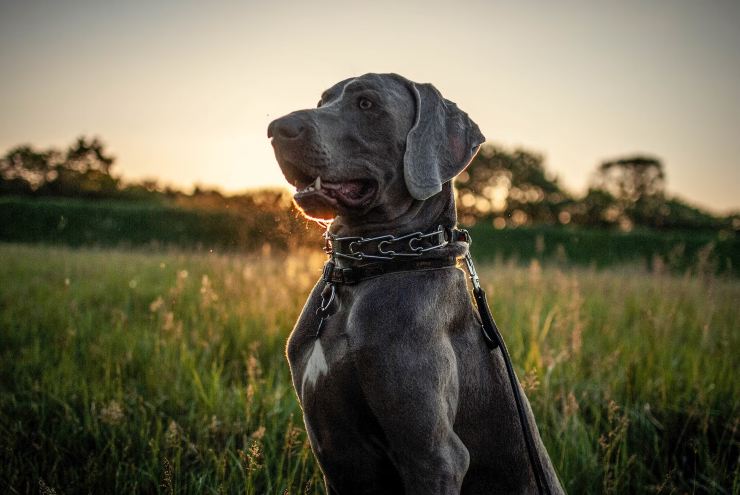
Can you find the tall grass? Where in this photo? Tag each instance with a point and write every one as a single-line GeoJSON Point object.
{"type": "Point", "coordinates": [135, 372]}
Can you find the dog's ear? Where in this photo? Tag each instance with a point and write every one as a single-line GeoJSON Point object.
{"type": "Point", "coordinates": [441, 143]}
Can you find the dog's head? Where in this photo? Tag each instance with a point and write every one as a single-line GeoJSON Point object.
{"type": "Point", "coordinates": [376, 143]}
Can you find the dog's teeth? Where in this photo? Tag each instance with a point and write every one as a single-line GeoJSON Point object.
{"type": "Point", "coordinates": [317, 184]}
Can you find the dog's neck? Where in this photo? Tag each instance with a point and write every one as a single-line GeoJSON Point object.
{"type": "Point", "coordinates": [420, 216]}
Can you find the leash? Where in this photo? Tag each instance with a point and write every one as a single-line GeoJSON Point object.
{"type": "Point", "coordinates": [493, 339]}
{"type": "Point", "coordinates": [388, 254]}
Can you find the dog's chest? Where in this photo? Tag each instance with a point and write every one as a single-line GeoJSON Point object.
{"type": "Point", "coordinates": [320, 364]}
{"type": "Point", "coordinates": [315, 365]}
{"type": "Point", "coordinates": [326, 380]}
{"type": "Point", "coordinates": [324, 366]}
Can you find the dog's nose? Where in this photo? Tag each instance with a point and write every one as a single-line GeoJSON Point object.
{"type": "Point", "coordinates": [288, 127]}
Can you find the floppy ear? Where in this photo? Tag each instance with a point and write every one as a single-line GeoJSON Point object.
{"type": "Point", "coordinates": [440, 145]}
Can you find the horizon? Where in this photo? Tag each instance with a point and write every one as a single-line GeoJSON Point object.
{"type": "Point", "coordinates": [184, 95]}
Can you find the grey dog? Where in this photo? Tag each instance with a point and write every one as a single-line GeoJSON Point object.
{"type": "Point", "coordinates": [399, 392]}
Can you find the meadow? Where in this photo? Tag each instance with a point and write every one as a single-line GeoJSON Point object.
{"type": "Point", "coordinates": [245, 224]}
{"type": "Point", "coordinates": [164, 372]}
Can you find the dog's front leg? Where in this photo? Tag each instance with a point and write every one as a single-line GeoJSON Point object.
{"type": "Point", "coordinates": [412, 388]}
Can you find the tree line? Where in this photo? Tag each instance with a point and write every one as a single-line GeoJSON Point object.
{"type": "Point", "coordinates": [513, 188]}
{"type": "Point", "coordinates": [506, 188]}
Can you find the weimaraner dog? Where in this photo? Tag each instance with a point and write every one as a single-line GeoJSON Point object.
{"type": "Point", "coordinates": [399, 392]}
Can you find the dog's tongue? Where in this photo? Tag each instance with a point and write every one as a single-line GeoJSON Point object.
{"type": "Point", "coordinates": [351, 189]}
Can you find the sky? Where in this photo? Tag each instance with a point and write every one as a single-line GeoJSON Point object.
{"type": "Point", "coordinates": [183, 91]}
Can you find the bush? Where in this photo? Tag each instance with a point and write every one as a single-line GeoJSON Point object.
{"type": "Point", "coordinates": [113, 223]}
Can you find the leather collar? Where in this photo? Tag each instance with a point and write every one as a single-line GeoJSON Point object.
{"type": "Point", "coordinates": [390, 247]}
{"type": "Point", "coordinates": [369, 257]}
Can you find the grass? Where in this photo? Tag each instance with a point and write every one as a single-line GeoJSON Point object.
{"type": "Point", "coordinates": [132, 372]}
{"type": "Point", "coordinates": [246, 227]}
{"type": "Point", "coordinates": [672, 250]}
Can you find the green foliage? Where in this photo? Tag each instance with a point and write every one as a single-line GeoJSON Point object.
{"type": "Point", "coordinates": [673, 213]}
{"type": "Point", "coordinates": [88, 154]}
{"type": "Point", "coordinates": [129, 372]}
{"type": "Point", "coordinates": [243, 223]}
{"type": "Point", "coordinates": [677, 251]}
{"type": "Point", "coordinates": [512, 185]}
{"type": "Point", "coordinates": [630, 191]}
{"type": "Point", "coordinates": [508, 188]}
{"type": "Point", "coordinates": [254, 222]}
{"type": "Point", "coordinates": [632, 178]}
{"type": "Point", "coordinates": [24, 169]}
{"type": "Point", "coordinates": [594, 209]}
{"type": "Point", "coordinates": [83, 170]}
{"type": "Point", "coordinates": [513, 188]}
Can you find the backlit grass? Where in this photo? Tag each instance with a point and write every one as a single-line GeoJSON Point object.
{"type": "Point", "coordinates": [136, 372]}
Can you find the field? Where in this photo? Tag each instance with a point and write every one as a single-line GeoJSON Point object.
{"type": "Point", "coordinates": [163, 372]}
{"type": "Point", "coordinates": [245, 227]}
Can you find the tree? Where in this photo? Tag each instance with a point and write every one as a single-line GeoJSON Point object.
{"type": "Point", "coordinates": [87, 155]}
{"type": "Point", "coordinates": [84, 169]}
{"type": "Point", "coordinates": [24, 169]}
{"type": "Point", "coordinates": [637, 185]}
{"type": "Point", "coordinates": [512, 186]}
{"type": "Point", "coordinates": [632, 178]}
{"type": "Point", "coordinates": [597, 208]}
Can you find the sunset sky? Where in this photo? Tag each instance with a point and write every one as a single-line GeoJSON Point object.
{"type": "Point", "coordinates": [183, 91]}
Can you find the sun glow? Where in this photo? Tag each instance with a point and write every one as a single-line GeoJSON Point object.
{"type": "Point", "coordinates": [185, 95]}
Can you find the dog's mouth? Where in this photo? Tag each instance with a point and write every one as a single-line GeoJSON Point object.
{"type": "Point", "coordinates": [321, 198]}
{"type": "Point", "coordinates": [351, 193]}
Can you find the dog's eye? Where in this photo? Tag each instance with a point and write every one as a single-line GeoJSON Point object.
{"type": "Point", "coordinates": [365, 104]}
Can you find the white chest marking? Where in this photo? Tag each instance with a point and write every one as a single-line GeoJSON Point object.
{"type": "Point", "coordinates": [315, 367]}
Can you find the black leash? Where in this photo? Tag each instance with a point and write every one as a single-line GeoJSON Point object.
{"type": "Point", "coordinates": [384, 260]}
{"type": "Point", "coordinates": [493, 339]}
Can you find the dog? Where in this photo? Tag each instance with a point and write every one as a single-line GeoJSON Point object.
{"type": "Point", "coordinates": [398, 390]}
